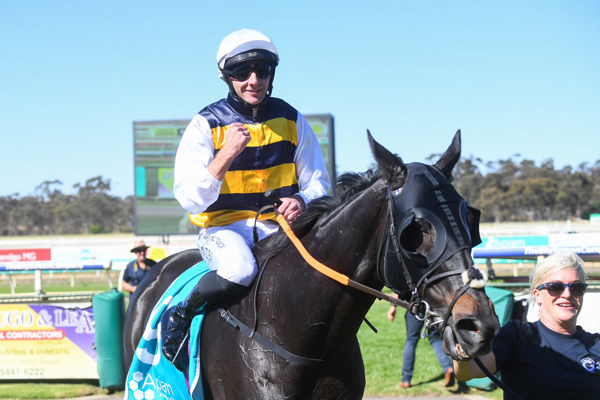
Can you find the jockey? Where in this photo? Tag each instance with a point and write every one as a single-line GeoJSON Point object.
{"type": "Point", "coordinates": [230, 154]}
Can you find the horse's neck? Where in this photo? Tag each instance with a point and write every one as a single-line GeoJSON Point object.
{"type": "Point", "coordinates": [329, 314]}
{"type": "Point", "coordinates": [348, 240]}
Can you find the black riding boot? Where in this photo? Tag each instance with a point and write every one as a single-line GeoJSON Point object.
{"type": "Point", "coordinates": [176, 323]}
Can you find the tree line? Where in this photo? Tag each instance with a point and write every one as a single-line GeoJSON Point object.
{"type": "Point", "coordinates": [509, 190]}
{"type": "Point", "coordinates": [48, 211]}
{"type": "Point", "coordinates": [504, 190]}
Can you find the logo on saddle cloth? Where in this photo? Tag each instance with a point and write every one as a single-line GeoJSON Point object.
{"type": "Point", "coordinates": [427, 195]}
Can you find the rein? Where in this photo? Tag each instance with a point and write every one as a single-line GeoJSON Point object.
{"type": "Point", "coordinates": [323, 269]}
{"type": "Point", "coordinates": [412, 306]}
{"type": "Point", "coordinates": [469, 277]}
{"type": "Point", "coordinates": [497, 381]}
{"type": "Point", "coordinates": [336, 276]}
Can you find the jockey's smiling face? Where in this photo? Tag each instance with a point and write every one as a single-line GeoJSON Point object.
{"type": "Point", "coordinates": [253, 88]}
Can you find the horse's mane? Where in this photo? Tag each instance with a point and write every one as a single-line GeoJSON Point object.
{"type": "Point", "coordinates": [347, 186]}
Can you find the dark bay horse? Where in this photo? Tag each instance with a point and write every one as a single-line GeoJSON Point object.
{"type": "Point", "coordinates": [402, 226]}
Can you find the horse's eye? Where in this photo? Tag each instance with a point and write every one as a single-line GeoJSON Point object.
{"type": "Point", "coordinates": [418, 237]}
{"type": "Point", "coordinates": [473, 216]}
{"type": "Point", "coordinates": [465, 216]}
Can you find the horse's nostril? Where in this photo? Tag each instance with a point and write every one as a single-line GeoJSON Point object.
{"type": "Point", "coordinates": [468, 324]}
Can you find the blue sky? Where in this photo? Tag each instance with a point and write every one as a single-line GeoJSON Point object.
{"type": "Point", "coordinates": [517, 77]}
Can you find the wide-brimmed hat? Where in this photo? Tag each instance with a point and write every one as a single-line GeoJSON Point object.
{"type": "Point", "coordinates": [139, 245]}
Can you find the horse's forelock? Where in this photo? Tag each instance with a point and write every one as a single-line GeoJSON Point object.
{"type": "Point", "coordinates": [351, 183]}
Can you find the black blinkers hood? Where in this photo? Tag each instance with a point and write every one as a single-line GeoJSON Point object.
{"type": "Point", "coordinates": [428, 195]}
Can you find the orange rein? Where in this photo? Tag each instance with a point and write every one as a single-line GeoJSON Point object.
{"type": "Point", "coordinates": [325, 270]}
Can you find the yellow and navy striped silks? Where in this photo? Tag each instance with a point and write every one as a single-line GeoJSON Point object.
{"type": "Point", "coordinates": [267, 162]}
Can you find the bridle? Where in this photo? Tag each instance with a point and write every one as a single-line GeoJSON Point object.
{"type": "Point", "coordinates": [447, 213]}
{"type": "Point", "coordinates": [450, 214]}
{"type": "Point", "coordinates": [386, 256]}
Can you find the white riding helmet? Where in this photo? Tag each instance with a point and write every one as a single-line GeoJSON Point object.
{"type": "Point", "coordinates": [242, 46]}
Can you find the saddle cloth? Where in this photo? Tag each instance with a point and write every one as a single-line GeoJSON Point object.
{"type": "Point", "coordinates": [151, 376]}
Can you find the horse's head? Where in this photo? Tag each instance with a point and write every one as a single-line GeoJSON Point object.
{"type": "Point", "coordinates": [427, 253]}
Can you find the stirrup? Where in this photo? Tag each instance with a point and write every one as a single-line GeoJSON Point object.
{"type": "Point", "coordinates": [181, 361]}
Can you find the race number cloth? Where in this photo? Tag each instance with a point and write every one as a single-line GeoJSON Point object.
{"type": "Point", "coordinates": [151, 376]}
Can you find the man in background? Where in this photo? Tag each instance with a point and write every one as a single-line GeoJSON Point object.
{"type": "Point", "coordinates": [413, 334]}
{"type": "Point", "coordinates": [138, 268]}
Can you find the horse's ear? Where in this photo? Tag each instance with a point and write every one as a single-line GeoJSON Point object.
{"type": "Point", "coordinates": [390, 165]}
{"type": "Point", "coordinates": [448, 160]}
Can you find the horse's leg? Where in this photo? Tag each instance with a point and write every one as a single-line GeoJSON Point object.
{"type": "Point", "coordinates": [343, 380]}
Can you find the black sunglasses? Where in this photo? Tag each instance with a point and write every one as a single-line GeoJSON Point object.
{"type": "Point", "coordinates": [557, 288]}
{"type": "Point", "coordinates": [243, 71]}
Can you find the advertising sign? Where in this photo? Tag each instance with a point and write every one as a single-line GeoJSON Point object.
{"type": "Point", "coordinates": [19, 259]}
{"type": "Point", "coordinates": [23, 255]}
{"type": "Point", "coordinates": [47, 341]}
{"type": "Point", "coordinates": [41, 259]}
{"type": "Point", "coordinates": [532, 247]}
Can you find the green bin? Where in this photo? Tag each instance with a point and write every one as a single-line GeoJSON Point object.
{"type": "Point", "coordinates": [109, 311]}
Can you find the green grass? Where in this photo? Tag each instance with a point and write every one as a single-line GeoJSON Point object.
{"type": "Point", "coordinates": [61, 282]}
{"type": "Point", "coordinates": [48, 390]}
{"type": "Point", "coordinates": [382, 353]}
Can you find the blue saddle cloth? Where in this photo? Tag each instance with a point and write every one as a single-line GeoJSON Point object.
{"type": "Point", "coordinates": [153, 376]}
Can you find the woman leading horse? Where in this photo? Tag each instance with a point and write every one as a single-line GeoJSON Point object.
{"type": "Point", "coordinates": [402, 226]}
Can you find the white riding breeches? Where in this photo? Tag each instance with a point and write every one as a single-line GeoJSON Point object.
{"type": "Point", "coordinates": [226, 249]}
